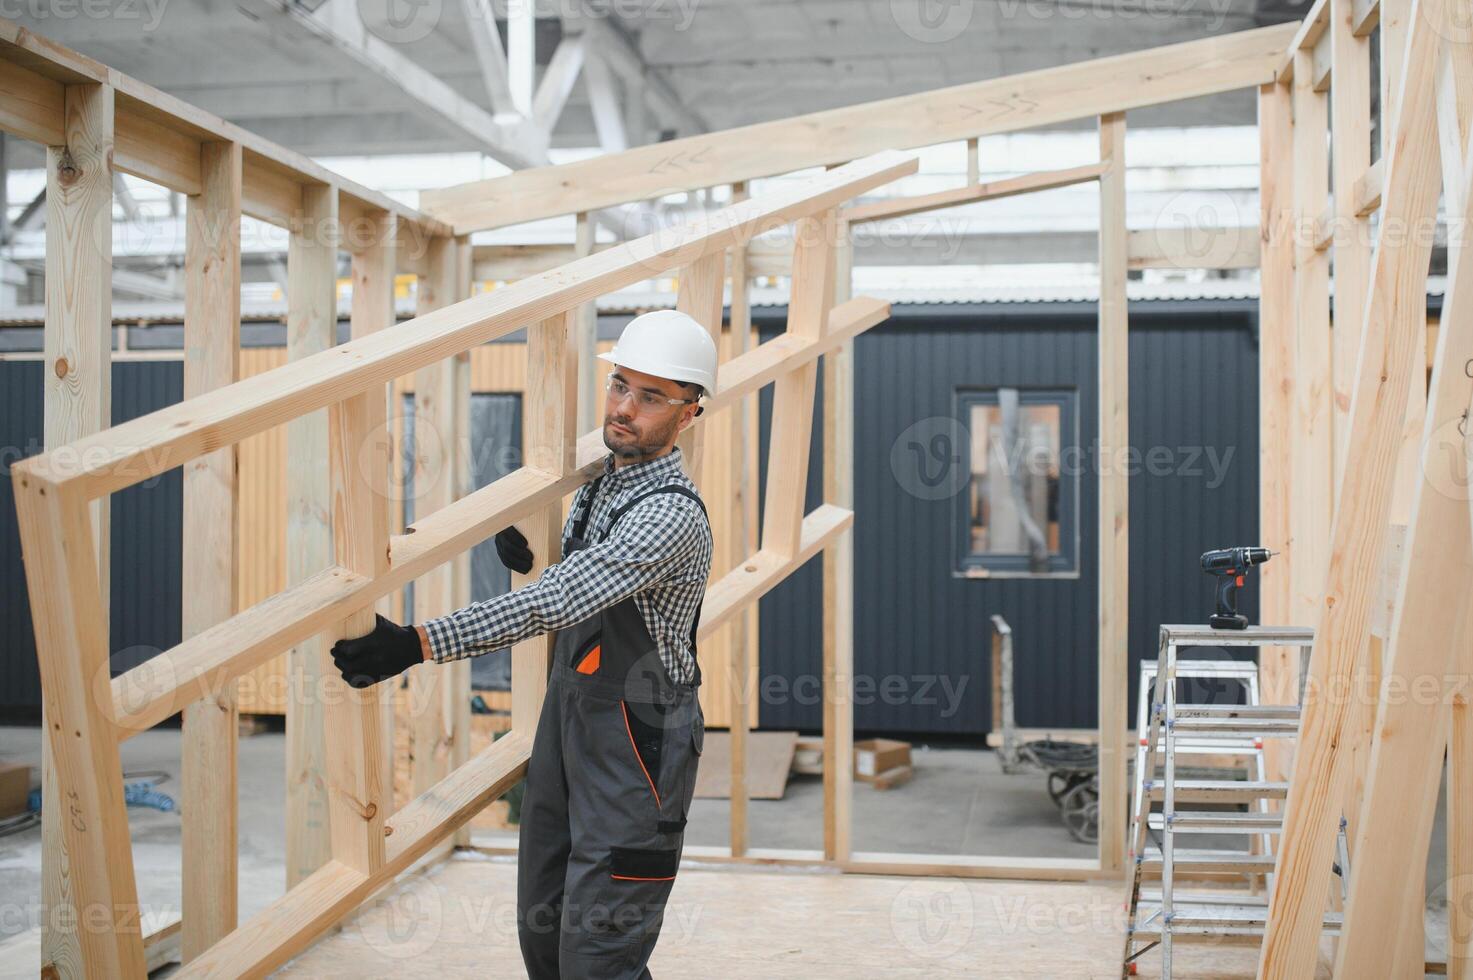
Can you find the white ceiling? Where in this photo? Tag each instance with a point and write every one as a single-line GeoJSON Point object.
{"type": "Point", "coordinates": [732, 62]}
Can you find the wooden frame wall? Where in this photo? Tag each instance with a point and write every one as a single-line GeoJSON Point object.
{"type": "Point", "coordinates": [369, 841]}
{"type": "Point", "coordinates": [1353, 433]}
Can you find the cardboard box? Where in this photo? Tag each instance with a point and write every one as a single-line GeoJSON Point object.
{"type": "Point", "coordinates": [879, 755]}
{"type": "Point", "coordinates": [15, 786]}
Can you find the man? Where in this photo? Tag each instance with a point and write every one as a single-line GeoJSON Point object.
{"type": "Point", "coordinates": [613, 764]}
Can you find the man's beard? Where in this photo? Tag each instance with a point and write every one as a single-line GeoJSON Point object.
{"type": "Point", "coordinates": [643, 442]}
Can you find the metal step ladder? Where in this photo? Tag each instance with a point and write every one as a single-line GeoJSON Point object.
{"type": "Point", "coordinates": [1206, 720]}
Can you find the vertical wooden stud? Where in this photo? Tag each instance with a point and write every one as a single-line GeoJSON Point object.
{"type": "Point", "coordinates": [1114, 512]}
{"type": "Point", "coordinates": [311, 326]}
{"type": "Point", "coordinates": [210, 546]}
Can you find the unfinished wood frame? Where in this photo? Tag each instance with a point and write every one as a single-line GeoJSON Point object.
{"type": "Point", "coordinates": [1363, 748]}
{"type": "Point", "coordinates": [370, 842]}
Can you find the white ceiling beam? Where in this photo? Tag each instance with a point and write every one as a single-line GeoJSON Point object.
{"type": "Point", "coordinates": [490, 55]}
{"type": "Point", "coordinates": [612, 43]}
{"type": "Point", "coordinates": [521, 41]}
{"type": "Point", "coordinates": [557, 82]}
{"type": "Point", "coordinates": [604, 102]}
{"type": "Point", "coordinates": [338, 24]}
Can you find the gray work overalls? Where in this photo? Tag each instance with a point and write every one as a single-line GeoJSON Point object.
{"type": "Point", "coordinates": [609, 785]}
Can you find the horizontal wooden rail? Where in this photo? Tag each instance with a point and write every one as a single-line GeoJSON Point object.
{"type": "Point", "coordinates": [281, 930]}
{"type": "Point", "coordinates": [754, 577]}
{"type": "Point", "coordinates": [204, 663]}
{"type": "Point", "coordinates": [1028, 100]}
{"type": "Point", "coordinates": [993, 190]}
{"type": "Point", "coordinates": [133, 451]}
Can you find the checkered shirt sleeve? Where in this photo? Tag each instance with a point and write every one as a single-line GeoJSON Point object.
{"type": "Point", "coordinates": [655, 542]}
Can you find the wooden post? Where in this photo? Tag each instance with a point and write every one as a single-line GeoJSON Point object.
{"type": "Point", "coordinates": [586, 333]}
{"type": "Point", "coordinates": [1394, 324]}
{"type": "Point", "coordinates": [434, 488]}
{"type": "Point", "coordinates": [552, 409]}
{"type": "Point", "coordinates": [1430, 632]}
{"type": "Point", "coordinates": [792, 398]}
{"type": "Point", "coordinates": [699, 295]}
{"type": "Point", "coordinates": [743, 503]}
{"type": "Point", "coordinates": [78, 401]}
{"type": "Point", "coordinates": [1114, 513]}
{"type": "Point", "coordinates": [359, 773]}
{"type": "Point", "coordinates": [211, 533]}
{"type": "Point", "coordinates": [458, 685]}
{"type": "Point", "coordinates": [838, 576]}
{"type": "Point", "coordinates": [311, 327]}
{"type": "Point", "coordinates": [1278, 666]}
{"type": "Point", "coordinates": [1350, 110]}
{"type": "Point", "coordinates": [1312, 502]}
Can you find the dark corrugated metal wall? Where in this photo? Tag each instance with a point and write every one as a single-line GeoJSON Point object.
{"type": "Point", "coordinates": [922, 634]}
{"type": "Point", "coordinates": [145, 538]}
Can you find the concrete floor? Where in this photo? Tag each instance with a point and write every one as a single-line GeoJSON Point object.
{"type": "Point", "coordinates": [958, 802]}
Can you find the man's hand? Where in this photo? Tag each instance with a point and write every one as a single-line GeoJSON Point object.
{"type": "Point", "coordinates": [386, 652]}
{"type": "Point", "coordinates": [511, 545]}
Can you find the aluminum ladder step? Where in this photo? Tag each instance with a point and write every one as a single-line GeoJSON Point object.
{"type": "Point", "coordinates": [1184, 859]}
{"type": "Point", "coordinates": [1250, 712]}
{"type": "Point", "coordinates": [1200, 919]}
{"type": "Point", "coordinates": [1219, 822]}
{"type": "Point", "coordinates": [1236, 727]}
{"type": "Point", "coordinates": [1219, 790]}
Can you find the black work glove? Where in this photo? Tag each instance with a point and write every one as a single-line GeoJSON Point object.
{"type": "Point", "coordinates": [389, 650]}
{"type": "Point", "coordinates": [511, 545]}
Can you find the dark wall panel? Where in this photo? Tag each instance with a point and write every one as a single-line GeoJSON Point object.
{"type": "Point", "coordinates": [922, 631]}
{"type": "Point", "coordinates": [144, 542]}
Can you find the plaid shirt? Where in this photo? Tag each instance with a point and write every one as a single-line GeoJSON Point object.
{"type": "Point", "coordinates": [660, 553]}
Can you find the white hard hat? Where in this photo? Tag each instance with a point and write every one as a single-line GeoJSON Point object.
{"type": "Point", "coordinates": [667, 344]}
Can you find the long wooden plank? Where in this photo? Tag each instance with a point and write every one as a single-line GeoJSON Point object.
{"type": "Point", "coordinates": [156, 442]}
{"type": "Point", "coordinates": [210, 547]}
{"type": "Point", "coordinates": [78, 401]}
{"type": "Point", "coordinates": [1000, 105]}
{"type": "Point", "coordinates": [1114, 490]}
{"type": "Point", "coordinates": [742, 538]}
{"type": "Point", "coordinates": [993, 190]}
{"type": "Point", "coordinates": [1430, 632]}
{"type": "Point", "coordinates": [194, 668]}
{"type": "Point", "coordinates": [1394, 325]}
{"type": "Point", "coordinates": [1279, 666]}
{"type": "Point", "coordinates": [311, 328]}
{"type": "Point", "coordinates": [289, 924]}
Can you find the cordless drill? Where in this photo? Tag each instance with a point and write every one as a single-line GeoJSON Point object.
{"type": "Point", "coordinates": [1230, 564]}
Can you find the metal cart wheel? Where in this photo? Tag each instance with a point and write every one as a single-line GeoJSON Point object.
{"type": "Point", "coordinates": [1080, 811]}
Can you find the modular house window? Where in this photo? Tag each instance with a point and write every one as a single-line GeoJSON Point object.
{"type": "Point", "coordinates": [1018, 513]}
